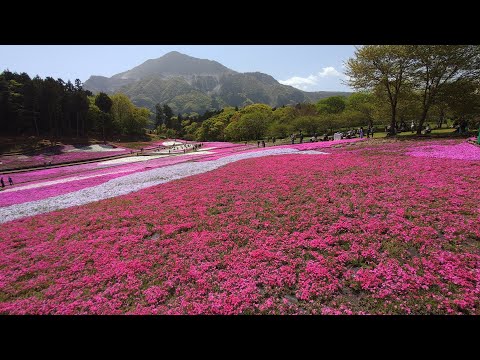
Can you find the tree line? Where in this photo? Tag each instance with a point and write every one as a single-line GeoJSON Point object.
{"type": "Point", "coordinates": [336, 113]}
{"type": "Point", "coordinates": [54, 108]}
{"type": "Point", "coordinates": [258, 121]}
{"type": "Point", "coordinates": [414, 81]}
{"type": "Point", "coordinates": [397, 86]}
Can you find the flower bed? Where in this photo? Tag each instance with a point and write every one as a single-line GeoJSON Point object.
{"type": "Point", "coordinates": [462, 151]}
{"type": "Point", "coordinates": [65, 155]}
{"type": "Point", "coordinates": [359, 232]}
{"type": "Point", "coordinates": [119, 186]}
{"type": "Point", "coordinates": [46, 189]}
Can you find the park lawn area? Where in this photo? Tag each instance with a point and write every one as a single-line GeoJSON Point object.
{"type": "Point", "coordinates": [376, 135]}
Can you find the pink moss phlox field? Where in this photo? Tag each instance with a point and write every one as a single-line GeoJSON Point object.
{"type": "Point", "coordinates": [462, 151]}
{"type": "Point", "coordinates": [42, 192]}
{"type": "Point", "coordinates": [355, 232]}
{"type": "Point", "coordinates": [65, 156]}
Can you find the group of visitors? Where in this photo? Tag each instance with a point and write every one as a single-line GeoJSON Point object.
{"type": "Point", "coordinates": [294, 136]}
{"type": "Point", "coordinates": [2, 183]}
{"type": "Point", "coordinates": [354, 133]}
{"type": "Point", "coordinates": [184, 147]}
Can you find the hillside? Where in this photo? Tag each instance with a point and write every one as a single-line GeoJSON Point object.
{"type": "Point", "coordinates": [188, 84]}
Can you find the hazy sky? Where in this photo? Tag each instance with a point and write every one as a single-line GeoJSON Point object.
{"type": "Point", "coordinates": [307, 67]}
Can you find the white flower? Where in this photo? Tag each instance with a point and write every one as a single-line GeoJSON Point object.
{"type": "Point", "coordinates": [133, 182]}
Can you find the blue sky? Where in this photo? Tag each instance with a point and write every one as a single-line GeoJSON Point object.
{"type": "Point", "coordinates": [307, 67]}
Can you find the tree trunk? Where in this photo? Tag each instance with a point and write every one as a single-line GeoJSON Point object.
{"type": "Point", "coordinates": [440, 119]}
{"type": "Point", "coordinates": [77, 124]}
{"type": "Point", "coordinates": [36, 125]}
{"type": "Point", "coordinates": [393, 121]}
{"type": "Point", "coordinates": [103, 127]}
{"type": "Point", "coordinates": [422, 121]}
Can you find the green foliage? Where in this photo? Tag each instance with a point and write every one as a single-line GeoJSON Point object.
{"type": "Point", "coordinates": [128, 119]}
{"type": "Point", "coordinates": [417, 79]}
{"type": "Point", "coordinates": [383, 68]}
{"type": "Point", "coordinates": [283, 115]}
{"type": "Point", "coordinates": [37, 106]}
{"type": "Point", "coordinates": [250, 123]}
{"type": "Point", "coordinates": [445, 69]}
{"type": "Point", "coordinates": [308, 125]}
{"type": "Point", "coordinates": [213, 128]}
{"type": "Point", "coordinates": [103, 102]}
{"type": "Point", "coordinates": [332, 105]}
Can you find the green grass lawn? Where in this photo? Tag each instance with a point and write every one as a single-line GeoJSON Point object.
{"type": "Point", "coordinates": [377, 135]}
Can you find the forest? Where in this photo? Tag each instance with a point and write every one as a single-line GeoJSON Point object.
{"type": "Point", "coordinates": [55, 108]}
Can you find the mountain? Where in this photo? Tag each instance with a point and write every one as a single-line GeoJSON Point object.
{"type": "Point", "coordinates": [188, 84]}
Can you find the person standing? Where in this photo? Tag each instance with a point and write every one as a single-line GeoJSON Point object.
{"type": "Point", "coordinates": [361, 132]}
{"type": "Point", "coordinates": [258, 143]}
{"type": "Point", "coordinates": [263, 143]}
{"type": "Point", "coordinates": [478, 138]}
{"type": "Point", "coordinates": [1, 182]}
{"type": "Point", "coordinates": [10, 181]}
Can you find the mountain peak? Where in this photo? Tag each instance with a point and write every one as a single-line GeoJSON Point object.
{"type": "Point", "coordinates": [188, 84]}
{"type": "Point", "coordinates": [172, 64]}
{"type": "Point", "coordinates": [176, 54]}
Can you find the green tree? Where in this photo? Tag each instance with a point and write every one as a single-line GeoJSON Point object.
{"type": "Point", "coordinates": [159, 115]}
{"type": "Point", "coordinates": [104, 104]}
{"type": "Point", "coordinates": [438, 66]}
{"type": "Point", "coordinates": [127, 118]}
{"type": "Point", "coordinates": [363, 103]}
{"type": "Point", "coordinates": [332, 105]}
{"type": "Point", "coordinates": [168, 113]}
{"type": "Point", "coordinates": [385, 67]}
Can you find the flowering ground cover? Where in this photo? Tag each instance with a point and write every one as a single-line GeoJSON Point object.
{"type": "Point", "coordinates": [115, 186]}
{"type": "Point", "coordinates": [463, 151]}
{"type": "Point", "coordinates": [46, 189]}
{"type": "Point", "coordinates": [59, 155]}
{"type": "Point", "coordinates": [367, 229]}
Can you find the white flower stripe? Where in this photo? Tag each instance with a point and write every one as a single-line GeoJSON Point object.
{"type": "Point", "coordinates": [131, 183]}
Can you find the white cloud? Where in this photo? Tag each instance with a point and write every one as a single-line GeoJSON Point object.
{"type": "Point", "coordinates": [329, 71]}
{"type": "Point", "coordinates": [312, 82]}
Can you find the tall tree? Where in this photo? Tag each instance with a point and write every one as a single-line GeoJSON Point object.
{"type": "Point", "coordinates": [78, 85]}
{"type": "Point", "coordinates": [168, 113]}
{"type": "Point", "coordinates": [363, 103]}
{"type": "Point", "coordinates": [332, 105]}
{"type": "Point", "coordinates": [104, 103]}
{"type": "Point", "coordinates": [438, 66]}
{"type": "Point", "coordinates": [387, 66]}
{"type": "Point", "coordinates": [159, 115]}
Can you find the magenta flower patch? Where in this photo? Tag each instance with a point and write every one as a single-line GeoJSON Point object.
{"type": "Point", "coordinates": [365, 229]}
